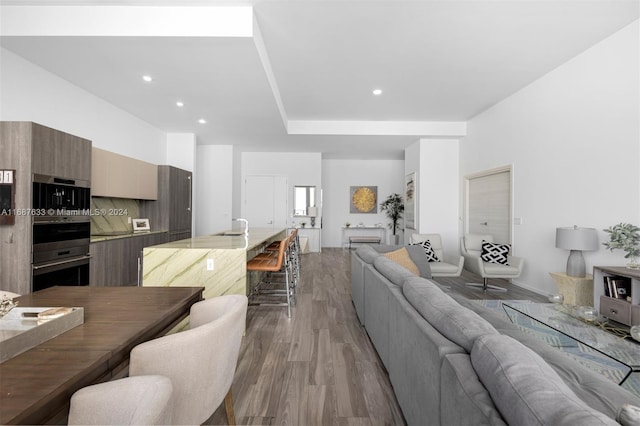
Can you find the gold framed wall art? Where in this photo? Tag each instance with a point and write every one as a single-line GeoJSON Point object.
{"type": "Point", "coordinates": [363, 199]}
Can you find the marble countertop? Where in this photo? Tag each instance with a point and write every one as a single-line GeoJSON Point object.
{"type": "Point", "coordinates": [98, 238]}
{"type": "Point", "coordinates": [255, 237]}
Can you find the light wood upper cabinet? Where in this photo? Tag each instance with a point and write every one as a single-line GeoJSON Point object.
{"type": "Point", "coordinates": [115, 175]}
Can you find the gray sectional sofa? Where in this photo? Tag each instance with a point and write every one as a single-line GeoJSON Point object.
{"type": "Point", "coordinates": [454, 362]}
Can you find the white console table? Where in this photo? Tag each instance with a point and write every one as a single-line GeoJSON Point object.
{"type": "Point", "coordinates": [313, 236]}
{"type": "Point", "coordinates": [357, 231]}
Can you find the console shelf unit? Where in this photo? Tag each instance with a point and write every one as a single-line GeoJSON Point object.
{"type": "Point", "coordinates": [617, 309]}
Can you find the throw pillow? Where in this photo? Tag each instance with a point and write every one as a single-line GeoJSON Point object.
{"type": "Point", "coordinates": [428, 250]}
{"type": "Point", "coordinates": [401, 257]}
{"type": "Point", "coordinates": [495, 253]}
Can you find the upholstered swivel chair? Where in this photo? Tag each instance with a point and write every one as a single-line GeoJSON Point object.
{"type": "Point", "coordinates": [201, 361]}
{"type": "Point", "coordinates": [447, 265]}
{"type": "Point", "coordinates": [471, 247]}
{"type": "Point", "coordinates": [141, 400]}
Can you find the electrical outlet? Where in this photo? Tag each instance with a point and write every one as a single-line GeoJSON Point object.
{"type": "Point", "coordinates": [209, 264]}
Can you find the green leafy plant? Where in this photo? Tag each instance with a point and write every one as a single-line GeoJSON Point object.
{"type": "Point", "coordinates": [394, 208]}
{"type": "Point", "coordinates": [624, 236]}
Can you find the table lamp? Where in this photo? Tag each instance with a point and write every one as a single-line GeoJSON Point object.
{"type": "Point", "coordinates": [312, 213]}
{"type": "Point", "coordinates": [576, 239]}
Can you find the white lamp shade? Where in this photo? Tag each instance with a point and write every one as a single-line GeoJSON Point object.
{"type": "Point", "coordinates": [574, 238]}
{"type": "Point", "coordinates": [312, 211]}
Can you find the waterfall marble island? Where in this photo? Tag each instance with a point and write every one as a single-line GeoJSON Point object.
{"type": "Point", "coordinates": [216, 262]}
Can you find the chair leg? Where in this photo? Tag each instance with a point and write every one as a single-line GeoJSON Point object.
{"type": "Point", "coordinates": [288, 289]}
{"type": "Point", "coordinates": [228, 406]}
{"type": "Point", "coordinates": [485, 286]}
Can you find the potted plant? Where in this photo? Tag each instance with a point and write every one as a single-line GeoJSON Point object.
{"type": "Point", "coordinates": [303, 224]}
{"type": "Point", "coordinates": [393, 207]}
{"type": "Point", "coordinates": [348, 224]}
{"type": "Point", "coordinates": [625, 236]}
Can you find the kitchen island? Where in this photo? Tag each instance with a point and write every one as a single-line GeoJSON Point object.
{"type": "Point", "coordinates": [216, 262]}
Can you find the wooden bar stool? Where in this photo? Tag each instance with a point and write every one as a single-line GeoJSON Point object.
{"type": "Point", "coordinates": [293, 254]}
{"type": "Point", "coordinates": [271, 265]}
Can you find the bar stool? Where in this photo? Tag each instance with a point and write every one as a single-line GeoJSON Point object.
{"type": "Point", "coordinates": [273, 265]}
{"type": "Point", "coordinates": [293, 252]}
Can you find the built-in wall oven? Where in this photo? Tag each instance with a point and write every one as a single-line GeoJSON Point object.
{"type": "Point", "coordinates": [61, 231]}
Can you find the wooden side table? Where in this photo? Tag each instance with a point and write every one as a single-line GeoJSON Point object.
{"type": "Point", "coordinates": [577, 291]}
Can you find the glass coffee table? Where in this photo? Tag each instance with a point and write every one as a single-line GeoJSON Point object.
{"type": "Point", "coordinates": [609, 338]}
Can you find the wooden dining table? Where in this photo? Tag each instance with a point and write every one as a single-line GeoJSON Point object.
{"type": "Point", "coordinates": [36, 385]}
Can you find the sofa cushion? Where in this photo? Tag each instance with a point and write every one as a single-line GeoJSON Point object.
{"type": "Point", "coordinates": [495, 253]}
{"type": "Point", "coordinates": [428, 251]}
{"type": "Point", "coordinates": [455, 322]}
{"type": "Point", "coordinates": [367, 253]}
{"type": "Point", "coordinates": [628, 415]}
{"type": "Point", "coordinates": [391, 270]}
{"type": "Point", "coordinates": [525, 389]}
{"type": "Point", "coordinates": [462, 395]}
{"type": "Point", "coordinates": [401, 257]}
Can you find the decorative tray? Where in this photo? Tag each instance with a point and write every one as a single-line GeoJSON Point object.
{"type": "Point", "coordinates": [24, 328]}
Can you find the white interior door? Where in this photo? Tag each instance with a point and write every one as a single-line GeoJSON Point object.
{"type": "Point", "coordinates": [489, 204]}
{"type": "Point", "coordinates": [266, 201]}
{"type": "Point", "coordinates": [280, 202]}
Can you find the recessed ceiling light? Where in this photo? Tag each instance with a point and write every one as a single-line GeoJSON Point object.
{"type": "Point", "coordinates": [202, 121]}
{"type": "Point", "coordinates": [147, 78]}
{"type": "Point", "coordinates": [377, 92]}
{"type": "Point", "coordinates": [180, 104]}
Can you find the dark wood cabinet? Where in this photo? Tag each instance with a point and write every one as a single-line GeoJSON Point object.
{"type": "Point", "coordinates": [172, 210]}
{"type": "Point", "coordinates": [180, 200]}
{"type": "Point", "coordinates": [60, 154]}
{"type": "Point", "coordinates": [114, 262]}
{"type": "Point", "coordinates": [30, 148]}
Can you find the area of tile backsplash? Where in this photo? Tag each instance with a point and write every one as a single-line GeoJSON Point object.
{"type": "Point", "coordinates": [111, 215]}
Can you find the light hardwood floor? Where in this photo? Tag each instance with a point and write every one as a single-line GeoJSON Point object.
{"type": "Point", "coordinates": [319, 367]}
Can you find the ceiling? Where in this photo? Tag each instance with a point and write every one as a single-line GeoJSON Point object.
{"type": "Point", "coordinates": [313, 64]}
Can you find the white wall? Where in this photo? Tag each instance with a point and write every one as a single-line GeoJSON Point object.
{"type": "Point", "coordinates": [30, 93]}
{"type": "Point", "coordinates": [435, 162]}
{"type": "Point", "coordinates": [300, 168]}
{"type": "Point", "coordinates": [213, 189]}
{"type": "Point", "coordinates": [337, 178]}
{"type": "Point", "coordinates": [573, 139]}
{"type": "Point", "coordinates": [181, 151]}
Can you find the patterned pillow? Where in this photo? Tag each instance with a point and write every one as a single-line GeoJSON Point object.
{"type": "Point", "coordinates": [428, 250]}
{"type": "Point", "coordinates": [495, 253]}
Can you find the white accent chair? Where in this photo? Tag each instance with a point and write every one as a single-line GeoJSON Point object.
{"type": "Point", "coordinates": [471, 247]}
{"type": "Point", "coordinates": [141, 400]}
{"type": "Point", "coordinates": [201, 361]}
{"type": "Point", "coordinates": [449, 265]}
